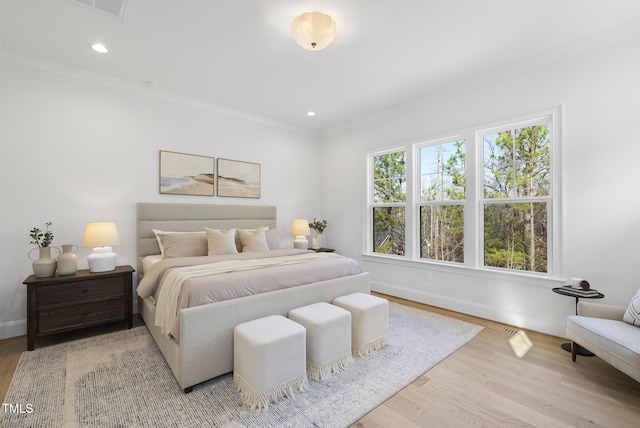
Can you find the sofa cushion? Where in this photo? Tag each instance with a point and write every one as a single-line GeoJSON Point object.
{"type": "Point", "coordinates": [614, 341]}
{"type": "Point", "coordinates": [632, 314]}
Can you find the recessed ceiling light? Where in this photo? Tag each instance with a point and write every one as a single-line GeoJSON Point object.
{"type": "Point", "coordinates": [99, 47]}
{"type": "Point", "coordinates": [311, 113]}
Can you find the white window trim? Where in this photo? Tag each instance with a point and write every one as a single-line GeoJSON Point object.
{"type": "Point", "coordinates": [473, 263]}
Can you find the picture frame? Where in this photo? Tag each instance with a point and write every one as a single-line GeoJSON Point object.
{"type": "Point", "coordinates": [238, 179]}
{"type": "Point", "coordinates": [186, 174]}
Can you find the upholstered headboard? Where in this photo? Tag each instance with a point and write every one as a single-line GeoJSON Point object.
{"type": "Point", "coordinates": [194, 217]}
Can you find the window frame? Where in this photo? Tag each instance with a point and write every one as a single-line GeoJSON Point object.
{"type": "Point", "coordinates": [419, 203]}
{"type": "Point", "coordinates": [369, 223]}
{"type": "Point", "coordinates": [473, 208]}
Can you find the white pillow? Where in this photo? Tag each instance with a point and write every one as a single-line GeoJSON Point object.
{"type": "Point", "coordinates": [253, 240]}
{"type": "Point", "coordinates": [159, 234]}
{"type": "Point", "coordinates": [632, 314]}
{"type": "Point", "coordinates": [273, 240]}
{"type": "Point", "coordinates": [221, 241]}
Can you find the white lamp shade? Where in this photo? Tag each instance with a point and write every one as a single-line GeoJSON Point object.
{"type": "Point", "coordinates": [100, 234]}
{"type": "Point", "coordinates": [300, 227]}
{"type": "Point", "coordinates": [313, 30]}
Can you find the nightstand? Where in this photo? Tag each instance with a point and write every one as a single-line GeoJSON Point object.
{"type": "Point", "coordinates": [58, 303]}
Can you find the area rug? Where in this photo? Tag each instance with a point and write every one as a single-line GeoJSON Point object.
{"type": "Point", "coordinates": [121, 380]}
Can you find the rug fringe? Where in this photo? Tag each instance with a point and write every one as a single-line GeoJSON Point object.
{"type": "Point", "coordinates": [336, 364]}
{"type": "Point", "coordinates": [364, 349]}
{"type": "Point", "coordinates": [260, 400]}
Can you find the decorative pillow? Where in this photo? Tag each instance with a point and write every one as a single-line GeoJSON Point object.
{"type": "Point", "coordinates": [253, 240]}
{"type": "Point", "coordinates": [273, 240]}
{"type": "Point", "coordinates": [160, 233]}
{"type": "Point", "coordinates": [221, 241]}
{"type": "Point", "coordinates": [183, 245]}
{"type": "Point", "coordinates": [632, 314]}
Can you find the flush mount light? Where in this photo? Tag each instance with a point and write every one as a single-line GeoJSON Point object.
{"type": "Point", "coordinates": [99, 47]}
{"type": "Point", "coordinates": [313, 30]}
{"type": "Point", "coordinates": [311, 113]}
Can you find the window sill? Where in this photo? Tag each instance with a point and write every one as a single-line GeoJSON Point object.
{"type": "Point", "coordinates": [538, 280]}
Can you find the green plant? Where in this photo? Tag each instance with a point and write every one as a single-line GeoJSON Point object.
{"type": "Point", "coordinates": [318, 225]}
{"type": "Point", "coordinates": [40, 238]}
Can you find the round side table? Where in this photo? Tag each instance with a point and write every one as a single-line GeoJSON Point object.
{"type": "Point", "coordinates": [567, 346]}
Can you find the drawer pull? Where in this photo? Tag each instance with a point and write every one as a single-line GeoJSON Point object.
{"type": "Point", "coordinates": [85, 313]}
{"type": "Point", "coordinates": [84, 290]}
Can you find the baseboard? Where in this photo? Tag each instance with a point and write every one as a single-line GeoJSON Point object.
{"type": "Point", "coordinates": [516, 319]}
{"type": "Point", "coordinates": [13, 329]}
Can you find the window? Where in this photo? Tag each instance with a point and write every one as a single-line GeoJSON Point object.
{"type": "Point", "coordinates": [516, 197]}
{"type": "Point", "coordinates": [389, 199]}
{"type": "Point", "coordinates": [484, 199]}
{"type": "Point", "coordinates": [442, 198]}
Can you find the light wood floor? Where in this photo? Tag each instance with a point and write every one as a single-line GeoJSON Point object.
{"type": "Point", "coordinates": [483, 384]}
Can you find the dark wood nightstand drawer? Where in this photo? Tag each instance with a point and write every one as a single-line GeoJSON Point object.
{"type": "Point", "coordinates": [79, 291]}
{"type": "Point", "coordinates": [68, 302]}
{"type": "Point", "coordinates": [68, 317]}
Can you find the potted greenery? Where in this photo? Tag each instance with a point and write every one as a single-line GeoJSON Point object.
{"type": "Point", "coordinates": [45, 265]}
{"type": "Point", "coordinates": [319, 226]}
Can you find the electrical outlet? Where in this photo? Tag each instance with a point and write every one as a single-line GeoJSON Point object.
{"type": "Point", "coordinates": [427, 276]}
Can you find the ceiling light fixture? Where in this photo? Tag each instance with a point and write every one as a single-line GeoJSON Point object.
{"type": "Point", "coordinates": [313, 30]}
{"type": "Point", "coordinates": [99, 47]}
{"type": "Point", "coordinates": [311, 113]}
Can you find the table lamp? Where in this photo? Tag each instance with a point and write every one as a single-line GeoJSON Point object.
{"type": "Point", "coordinates": [300, 229]}
{"type": "Point", "coordinates": [101, 236]}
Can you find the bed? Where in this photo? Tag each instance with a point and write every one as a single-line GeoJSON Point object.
{"type": "Point", "coordinates": [205, 346]}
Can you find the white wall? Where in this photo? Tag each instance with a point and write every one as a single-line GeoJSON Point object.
{"type": "Point", "coordinates": [73, 151]}
{"type": "Point", "coordinates": [599, 92]}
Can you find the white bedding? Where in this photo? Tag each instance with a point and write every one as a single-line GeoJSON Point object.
{"type": "Point", "coordinates": [149, 261]}
{"type": "Point", "coordinates": [169, 293]}
{"type": "Point", "coordinates": [179, 283]}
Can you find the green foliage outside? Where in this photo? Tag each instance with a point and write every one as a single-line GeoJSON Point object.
{"type": "Point", "coordinates": [516, 190]}
{"type": "Point", "coordinates": [389, 186]}
{"type": "Point", "coordinates": [443, 182]}
{"type": "Point", "coordinates": [517, 165]}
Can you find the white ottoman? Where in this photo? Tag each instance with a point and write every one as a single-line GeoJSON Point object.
{"type": "Point", "coordinates": [369, 321]}
{"type": "Point", "coordinates": [269, 361]}
{"type": "Point", "coordinates": [328, 338]}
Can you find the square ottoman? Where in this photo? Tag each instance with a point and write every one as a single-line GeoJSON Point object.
{"type": "Point", "coordinates": [269, 360]}
{"type": "Point", "coordinates": [369, 322]}
{"type": "Point", "coordinates": [328, 338]}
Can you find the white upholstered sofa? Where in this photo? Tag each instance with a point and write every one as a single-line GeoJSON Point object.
{"type": "Point", "coordinates": [600, 329]}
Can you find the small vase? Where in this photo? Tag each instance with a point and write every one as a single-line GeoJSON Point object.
{"type": "Point", "coordinates": [67, 260]}
{"type": "Point", "coordinates": [44, 265]}
{"type": "Point", "coordinates": [315, 243]}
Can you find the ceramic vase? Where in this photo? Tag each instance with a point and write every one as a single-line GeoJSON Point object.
{"type": "Point", "coordinates": [45, 265]}
{"type": "Point", "coordinates": [316, 242]}
{"type": "Point", "coordinates": [67, 260]}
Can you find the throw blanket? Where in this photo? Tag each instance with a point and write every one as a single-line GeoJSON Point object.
{"type": "Point", "coordinates": [167, 299]}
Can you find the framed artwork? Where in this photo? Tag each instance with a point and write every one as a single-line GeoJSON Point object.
{"type": "Point", "coordinates": [184, 174]}
{"type": "Point", "coordinates": [238, 179]}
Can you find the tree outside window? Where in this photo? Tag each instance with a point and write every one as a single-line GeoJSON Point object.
{"type": "Point", "coordinates": [517, 171]}
{"type": "Point", "coordinates": [389, 198]}
{"type": "Point", "coordinates": [442, 197]}
{"type": "Point", "coordinates": [485, 198]}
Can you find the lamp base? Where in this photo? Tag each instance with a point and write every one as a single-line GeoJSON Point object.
{"type": "Point", "coordinates": [301, 243]}
{"type": "Point", "coordinates": [102, 259]}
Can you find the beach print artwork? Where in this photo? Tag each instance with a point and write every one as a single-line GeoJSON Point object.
{"type": "Point", "coordinates": [184, 174]}
{"type": "Point", "coordinates": [238, 179]}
